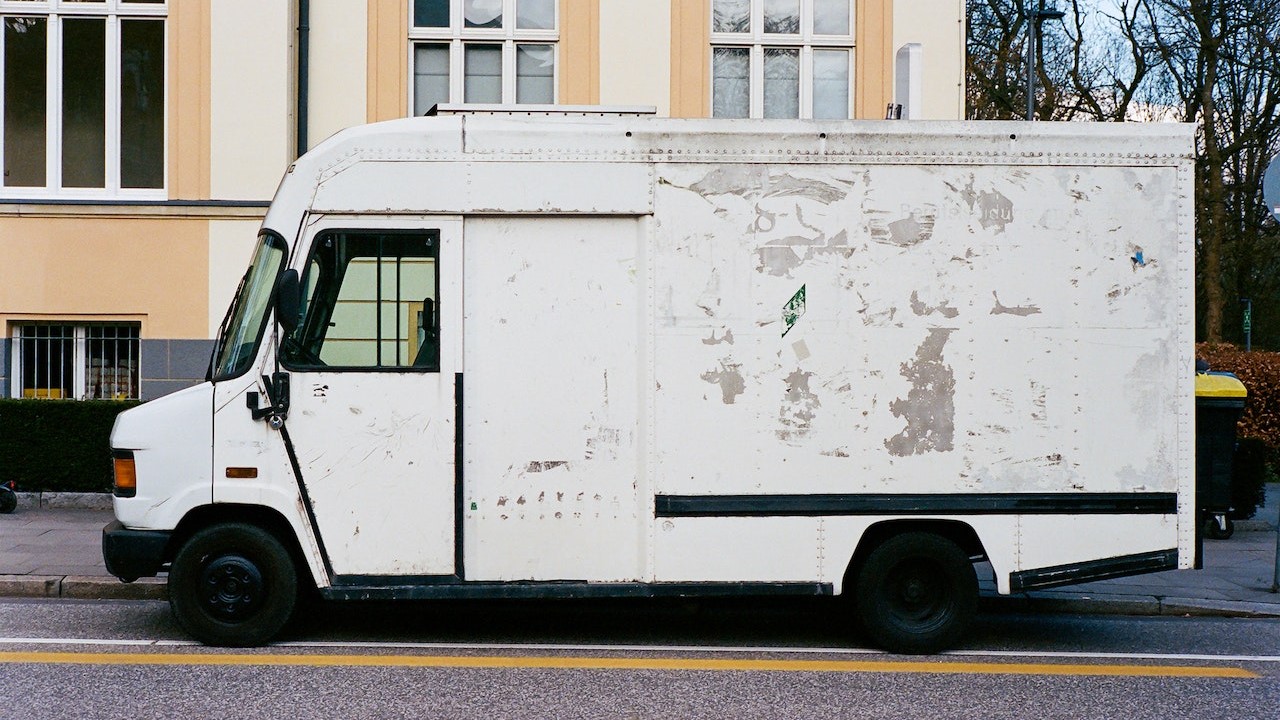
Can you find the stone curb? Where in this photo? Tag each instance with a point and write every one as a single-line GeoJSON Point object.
{"type": "Point", "coordinates": [82, 587]}
{"type": "Point", "coordinates": [64, 500]}
{"type": "Point", "coordinates": [1134, 605]}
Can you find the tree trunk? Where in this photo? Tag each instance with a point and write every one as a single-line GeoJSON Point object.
{"type": "Point", "coordinates": [1213, 219]}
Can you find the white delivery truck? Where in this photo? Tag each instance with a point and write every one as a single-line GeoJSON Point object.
{"type": "Point", "coordinates": [582, 353]}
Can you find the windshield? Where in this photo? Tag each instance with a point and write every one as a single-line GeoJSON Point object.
{"type": "Point", "coordinates": [242, 327]}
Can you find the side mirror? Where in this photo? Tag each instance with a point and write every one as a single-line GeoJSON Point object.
{"type": "Point", "coordinates": [288, 300]}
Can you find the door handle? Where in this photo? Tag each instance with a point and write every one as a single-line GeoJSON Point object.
{"type": "Point", "coordinates": [277, 409]}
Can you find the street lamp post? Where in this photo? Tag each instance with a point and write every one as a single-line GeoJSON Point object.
{"type": "Point", "coordinates": [1034, 18]}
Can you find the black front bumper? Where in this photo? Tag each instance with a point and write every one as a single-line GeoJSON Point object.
{"type": "Point", "coordinates": [131, 554]}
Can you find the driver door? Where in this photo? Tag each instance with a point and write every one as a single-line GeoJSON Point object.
{"type": "Point", "coordinates": [373, 367]}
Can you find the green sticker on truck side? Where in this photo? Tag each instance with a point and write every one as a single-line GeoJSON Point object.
{"type": "Point", "coordinates": [792, 311]}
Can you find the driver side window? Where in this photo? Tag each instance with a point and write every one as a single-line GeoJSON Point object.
{"type": "Point", "coordinates": [369, 302]}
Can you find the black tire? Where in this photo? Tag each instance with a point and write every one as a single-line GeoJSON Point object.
{"type": "Point", "coordinates": [916, 593]}
{"type": "Point", "coordinates": [233, 585]}
{"type": "Point", "coordinates": [8, 501]}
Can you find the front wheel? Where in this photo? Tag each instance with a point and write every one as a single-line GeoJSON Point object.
{"type": "Point", "coordinates": [916, 593]}
{"type": "Point", "coordinates": [233, 585]}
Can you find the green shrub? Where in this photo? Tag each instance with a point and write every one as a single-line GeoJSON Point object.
{"type": "Point", "coordinates": [1260, 373]}
{"type": "Point", "coordinates": [1257, 457]}
{"type": "Point", "coordinates": [58, 445]}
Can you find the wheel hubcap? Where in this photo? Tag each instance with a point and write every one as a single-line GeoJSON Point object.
{"type": "Point", "coordinates": [915, 594]}
{"type": "Point", "coordinates": [231, 588]}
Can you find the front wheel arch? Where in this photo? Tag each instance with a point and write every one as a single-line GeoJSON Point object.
{"type": "Point", "coordinates": [261, 516]}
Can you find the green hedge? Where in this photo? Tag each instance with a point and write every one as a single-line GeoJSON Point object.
{"type": "Point", "coordinates": [58, 445]}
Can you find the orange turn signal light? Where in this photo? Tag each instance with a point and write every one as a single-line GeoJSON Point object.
{"type": "Point", "coordinates": [125, 473]}
{"type": "Point", "coordinates": [242, 473]}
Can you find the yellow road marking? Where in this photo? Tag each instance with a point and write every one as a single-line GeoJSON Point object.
{"type": "Point", "coordinates": [621, 663]}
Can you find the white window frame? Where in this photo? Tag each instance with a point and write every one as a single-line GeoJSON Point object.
{"type": "Point", "coordinates": [79, 361]}
{"type": "Point", "coordinates": [457, 36]}
{"type": "Point", "coordinates": [757, 40]}
{"type": "Point", "coordinates": [112, 11]}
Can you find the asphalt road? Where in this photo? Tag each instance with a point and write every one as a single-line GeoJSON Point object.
{"type": "Point", "coordinates": [626, 660]}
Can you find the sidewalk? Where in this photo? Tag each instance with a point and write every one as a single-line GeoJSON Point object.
{"type": "Point", "coordinates": [1235, 582]}
{"type": "Point", "coordinates": [55, 551]}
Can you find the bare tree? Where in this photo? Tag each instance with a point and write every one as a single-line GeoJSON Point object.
{"type": "Point", "coordinates": [1090, 66]}
{"type": "Point", "coordinates": [1218, 62]}
{"type": "Point", "coordinates": [1214, 63]}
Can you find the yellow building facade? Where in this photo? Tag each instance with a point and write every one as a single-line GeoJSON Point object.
{"type": "Point", "coordinates": [142, 139]}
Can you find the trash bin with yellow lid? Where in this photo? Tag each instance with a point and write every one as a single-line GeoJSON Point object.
{"type": "Point", "coordinates": [1220, 399]}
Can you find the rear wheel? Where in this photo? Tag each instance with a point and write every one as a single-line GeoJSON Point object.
{"type": "Point", "coordinates": [916, 593]}
{"type": "Point", "coordinates": [233, 584]}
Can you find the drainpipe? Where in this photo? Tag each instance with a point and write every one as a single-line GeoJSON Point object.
{"type": "Point", "coordinates": [304, 72]}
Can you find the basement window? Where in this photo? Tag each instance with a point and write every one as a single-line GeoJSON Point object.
{"type": "Point", "coordinates": [54, 361]}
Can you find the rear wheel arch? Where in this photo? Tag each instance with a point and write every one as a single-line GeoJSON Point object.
{"type": "Point", "coordinates": [962, 534]}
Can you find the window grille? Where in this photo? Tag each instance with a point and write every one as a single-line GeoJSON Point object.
{"type": "Point", "coordinates": [92, 362]}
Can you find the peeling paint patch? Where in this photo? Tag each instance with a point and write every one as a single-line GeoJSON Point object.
{"type": "Point", "coordinates": [604, 445]}
{"type": "Point", "coordinates": [919, 308]}
{"type": "Point", "coordinates": [778, 261]}
{"type": "Point", "coordinates": [838, 452]}
{"type": "Point", "coordinates": [765, 221]}
{"type": "Point", "coordinates": [801, 349]}
{"type": "Point", "coordinates": [904, 232]}
{"type": "Point", "coordinates": [1020, 310]}
{"type": "Point", "coordinates": [729, 378]}
{"type": "Point", "coordinates": [754, 181]}
{"type": "Point", "coordinates": [713, 340]}
{"type": "Point", "coordinates": [929, 408]}
{"type": "Point", "coordinates": [797, 411]}
{"type": "Point", "coordinates": [880, 318]}
{"type": "Point", "coordinates": [709, 301]}
{"type": "Point", "coordinates": [544, 465]}
{"type": "Point", "coordinates": [994, 210]}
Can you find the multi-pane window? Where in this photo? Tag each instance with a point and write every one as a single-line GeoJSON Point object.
{"type": "Point", "coordinates": [370, 301]}
{"type": "Point", "coordinates": [88, 362]}
{"type": "Point", "coordinates": [483, 51]}
{"type": "Point", "coordinates": [781, 58]}
{"type": "Point", "coordinates": [82, 103]}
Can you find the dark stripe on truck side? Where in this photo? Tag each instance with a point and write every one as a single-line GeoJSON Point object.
{"type": "Point", "coordinates": [916, 504]}
{"type": "Point", "coordinates": [1115, 567]}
